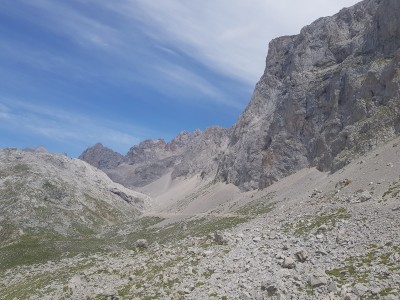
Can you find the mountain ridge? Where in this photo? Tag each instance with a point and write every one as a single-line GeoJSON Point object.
{"type": "Point", "coordinates": [328, 94]}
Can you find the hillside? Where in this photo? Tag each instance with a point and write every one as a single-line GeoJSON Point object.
{"type": "Point", "coordinates": [47, 199]}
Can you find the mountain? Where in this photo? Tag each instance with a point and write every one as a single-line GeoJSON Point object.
{"type": "Point", "coordinates": [186, 155]}
{"type": "Point", "coordinates": [327, 95]}
{"type": "Point", "coordinates": [101, 157]}
{"type": "Point", "coordinates": [298, 200]}
{"type": "Point", "coordinates": [49, 196]}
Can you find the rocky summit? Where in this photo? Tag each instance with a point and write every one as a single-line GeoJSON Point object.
{"type": "Point", "coordinates": [300, 199]}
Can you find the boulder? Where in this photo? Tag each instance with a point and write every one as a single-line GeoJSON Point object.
{"type": "Point", "coordinates": [142, 244]}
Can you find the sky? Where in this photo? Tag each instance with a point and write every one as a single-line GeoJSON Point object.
{"type": "Point", "coordinates": [77, 72]}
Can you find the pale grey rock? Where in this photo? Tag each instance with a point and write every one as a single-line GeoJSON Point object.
{"type": "Point", "coordinates": [220, 237]}
{"type": "Point", "coordinates": [288, 263]}
{"type": "Point", "coordinates": [364, 196]}
{"type": "Point", "coordinates": [318, 278]}
{"type": "Point", "coordinates": [301, 255]}
{"type": "Point", "coordinates": [360, 289]}
{"type": "Point", "coordinates": [142, 243]}
{"type": "Point", "coordinates": [332, 287]}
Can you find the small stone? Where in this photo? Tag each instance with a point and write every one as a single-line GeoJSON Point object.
{"type": "Point", "coordinates": [364, 196]}
{"type": "Point", "coordinates": [322, 228]}
{"type": "Point", "coordinates": [256, 239]}
{"type": "Point", "coordinates": [317, 279]}
{"type": "Point", "coordinates": [288, 263]}
{"type": "Point", "coordinates": [375, 290]}
{"type": "Point", "coordinates": [301, 256]}
{"type": "Point", "coordinates": [360, 289]}
{"type": "Point", "coordinates": [332, 287]}
{"type": "Point", "coordinates": [270, 287]}
{"type": "Point", "coordinates": [142, 243]}
{"type": "Point", "coordinates": [220, 238]}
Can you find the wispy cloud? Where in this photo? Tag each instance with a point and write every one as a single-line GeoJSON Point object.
{"type": "Point", "coordinates": [81, 28]}
{"type": "Point", "coordinates": [68, 127]}
{"type": "Point", "coordinates": [4, 112]}
{"type": "Point", "coordinates": [230, 38]}
{"type": "Point", "coordinates": [135, 58]}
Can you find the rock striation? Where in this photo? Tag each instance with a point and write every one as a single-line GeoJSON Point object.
{"type": "Point", "coordinates": [327, 95]}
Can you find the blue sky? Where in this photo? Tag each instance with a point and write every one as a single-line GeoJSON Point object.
{"type": "Point", "coordinates": [77, 72]}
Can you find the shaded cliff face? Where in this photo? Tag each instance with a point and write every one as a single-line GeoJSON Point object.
{"type": "Point", "coordinates": [327, 95]}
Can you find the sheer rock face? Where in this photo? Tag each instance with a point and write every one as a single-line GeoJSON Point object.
{"type": "Point", "coordinates": [327, 94]}
{"type": "Point", "coordinates": [203, 154]}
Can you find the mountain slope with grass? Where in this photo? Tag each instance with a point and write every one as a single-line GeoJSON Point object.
{"type": "Point", "coordinates": [48, 199]}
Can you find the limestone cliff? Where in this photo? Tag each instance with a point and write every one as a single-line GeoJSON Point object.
{"type": "Point", "coordinates": [327, 95]}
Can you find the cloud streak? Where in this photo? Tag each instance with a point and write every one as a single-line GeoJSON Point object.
{"type": "Point", "coordinates": [229, 37]}
{"type": "Point", "coordinates": [67, 127]}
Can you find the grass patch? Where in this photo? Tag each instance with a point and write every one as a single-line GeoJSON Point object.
{"type": "Point", "coordinates": [393, 191]}
{"type": "Point", "coordinates": [257, 207]}
{"type": "Point", "coordinates": [329, 220]}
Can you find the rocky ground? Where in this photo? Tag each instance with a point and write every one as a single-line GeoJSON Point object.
{"type": "Point", "coordinates": [311, 235]}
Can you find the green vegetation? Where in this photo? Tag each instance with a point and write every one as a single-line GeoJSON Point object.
{"type": "Point", "coordinates": [15, 170]}
{"type": "Point", "coordinates": [208, 274]}
{"type": "Point", "coordinates": [393, 191]}
{"type": "Point", "coordinates": [257, 207]}
{"type": "Point", "coordinates": [311, 224]}
{"type": "Point", "coordinates": [359, 269]}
